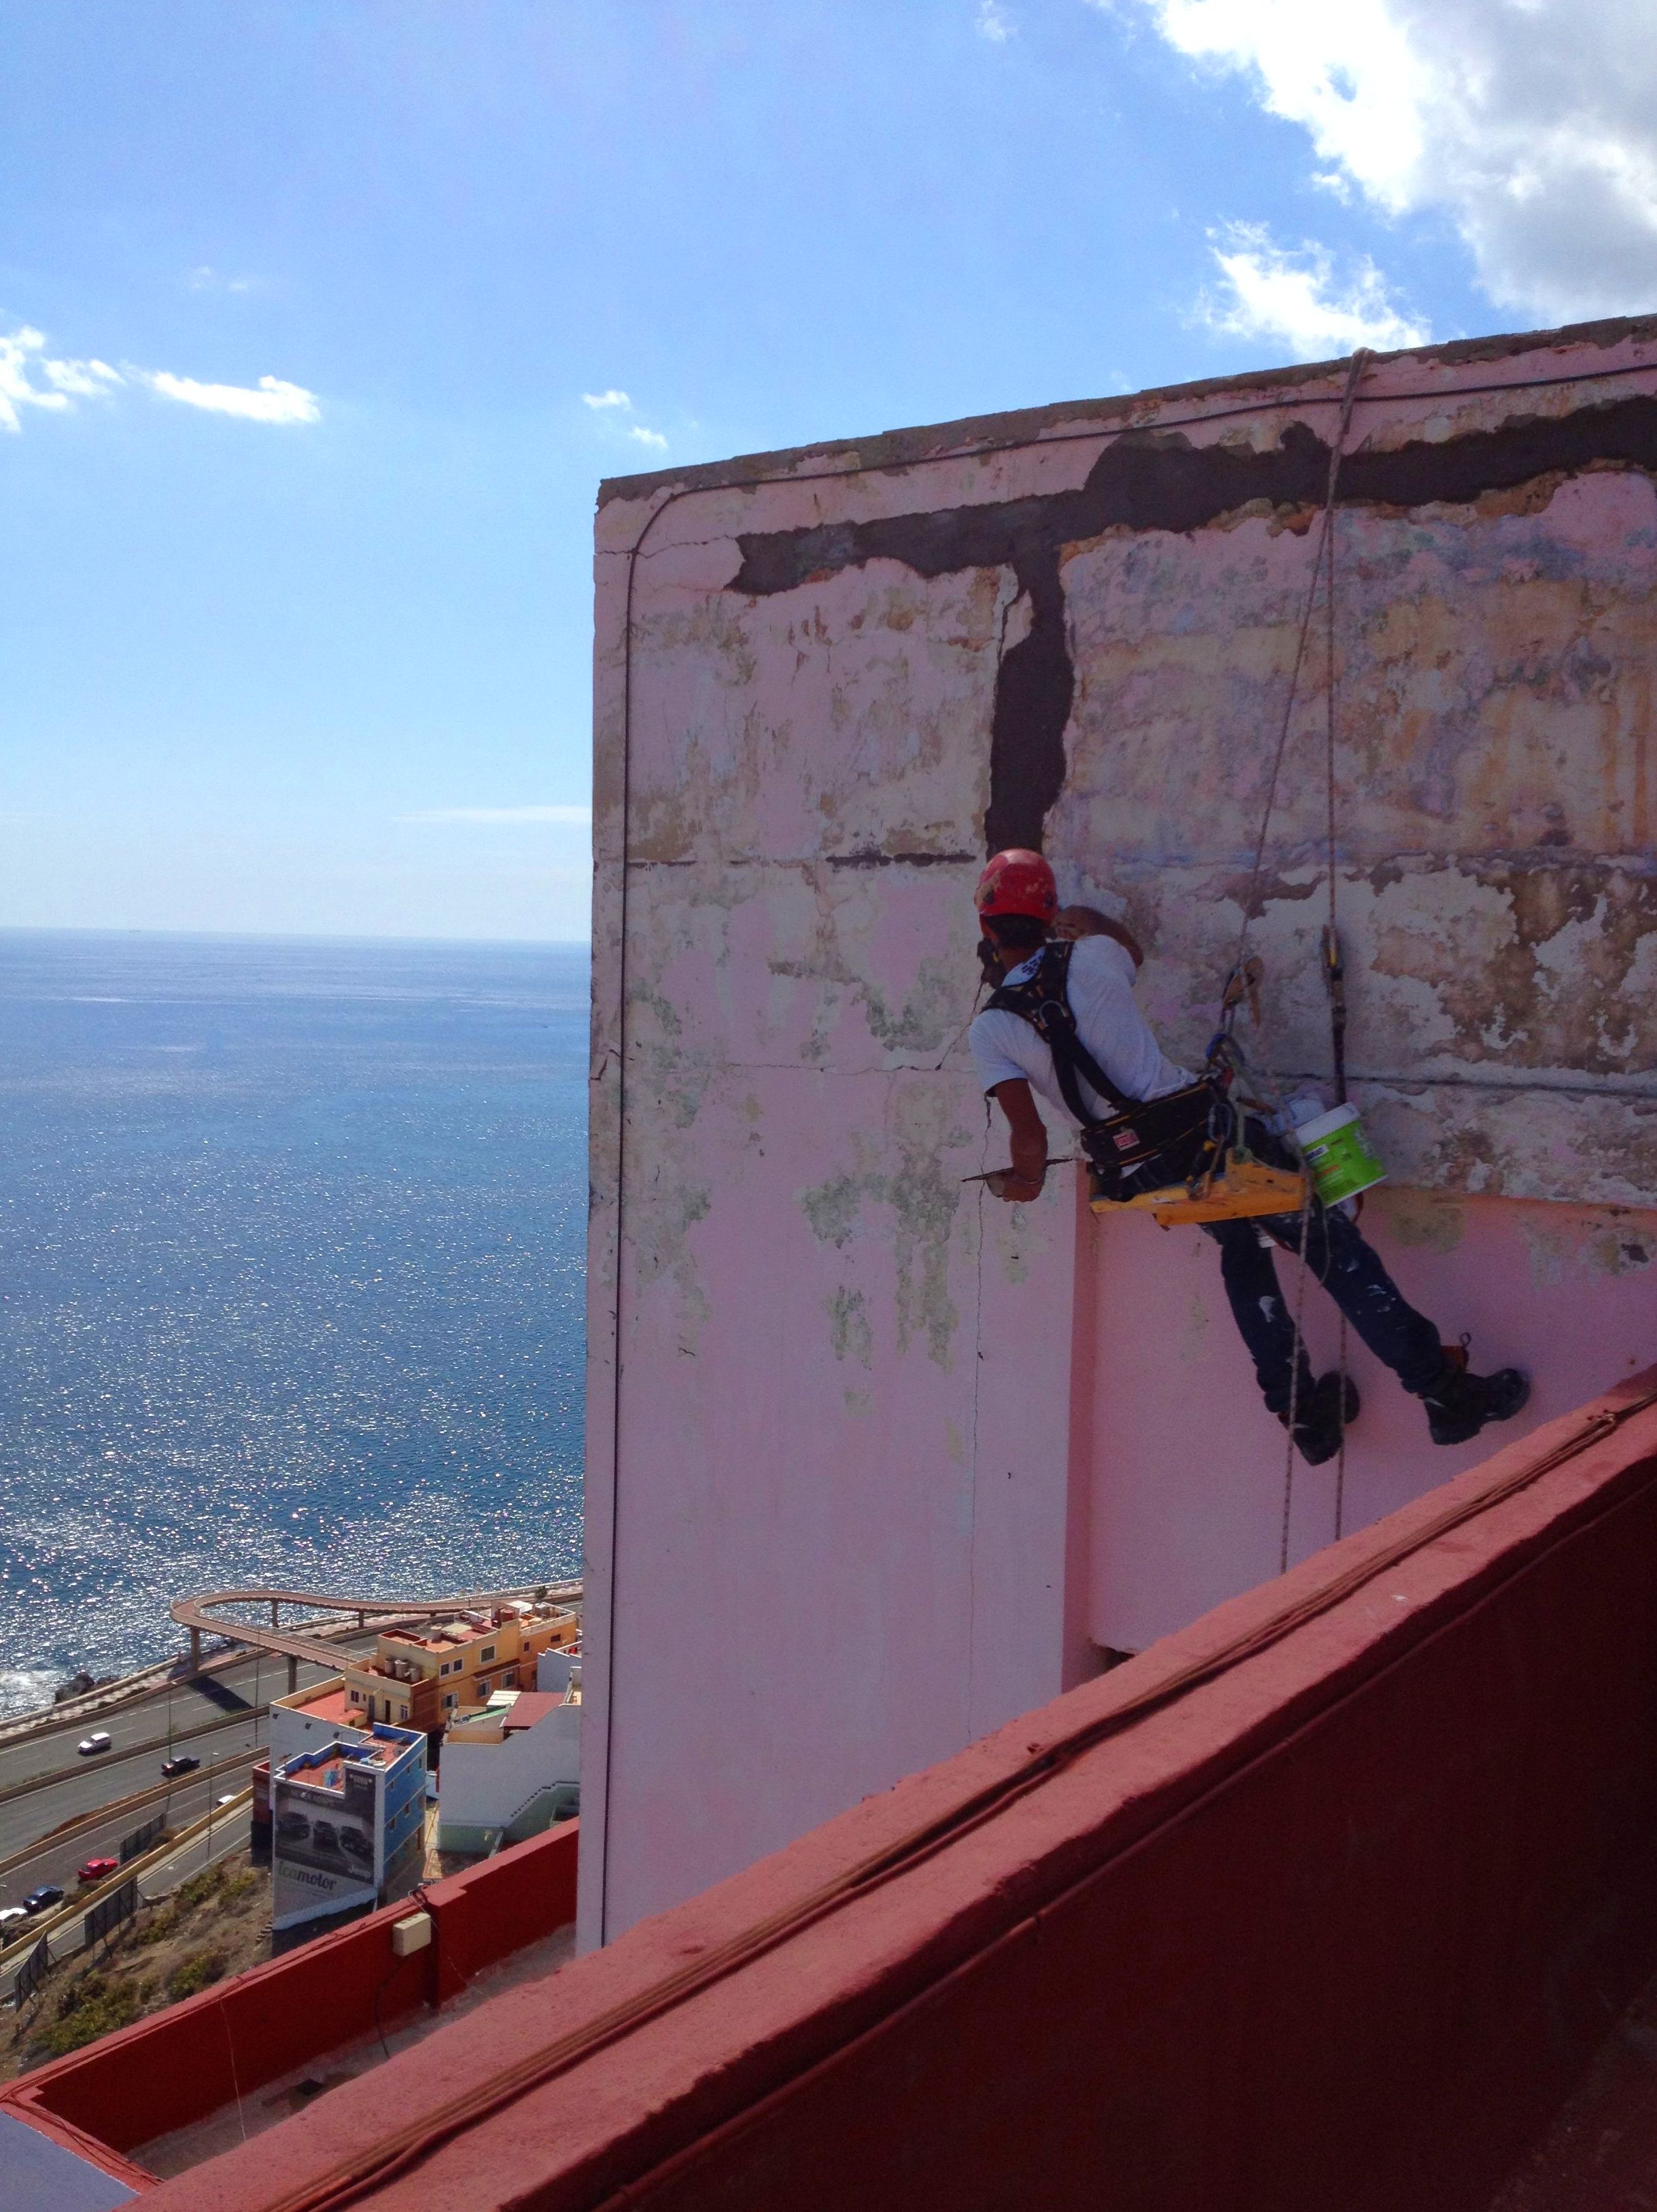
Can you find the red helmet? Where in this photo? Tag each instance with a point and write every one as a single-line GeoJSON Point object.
{"type": "Point", "coordinates": [1017, 881]}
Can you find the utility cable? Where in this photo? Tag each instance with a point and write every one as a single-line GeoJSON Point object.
{"type": "Point", "coordinates": [1334, 962]}
{"type": "Point", "coordinates": [1323, 565]}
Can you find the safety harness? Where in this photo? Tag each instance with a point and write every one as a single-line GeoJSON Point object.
{"type": "Point", "coordinates": [1175, 1134]}
{"type": "Point", "coordinates": [1182, 1157]}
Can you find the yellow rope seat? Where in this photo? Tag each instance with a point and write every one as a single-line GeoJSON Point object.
{"type": "Point", "coordinates": [1236, 1188]}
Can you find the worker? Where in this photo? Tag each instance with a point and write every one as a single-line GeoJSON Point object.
{"type": "Point", "coordinates": [1019, 923]}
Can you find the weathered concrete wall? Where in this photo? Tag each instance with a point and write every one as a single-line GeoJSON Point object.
{"type": "Point", "coordinates": [873, 1462]}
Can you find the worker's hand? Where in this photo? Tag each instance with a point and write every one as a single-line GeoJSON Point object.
{"type": "Point", "coordinates": [1016, 1189]}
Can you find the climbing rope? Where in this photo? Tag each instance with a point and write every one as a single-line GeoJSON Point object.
{"type": "Point", "coordinates": [1236, 983]}
{"type": "Point", "coordinates": [1334, 963]}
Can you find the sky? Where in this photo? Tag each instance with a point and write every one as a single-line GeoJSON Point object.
{"type": "Point", "coordinates": [321, 322]}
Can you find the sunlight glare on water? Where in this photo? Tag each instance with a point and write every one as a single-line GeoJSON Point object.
{"type": "Point", "coordinates": [293, 1278]}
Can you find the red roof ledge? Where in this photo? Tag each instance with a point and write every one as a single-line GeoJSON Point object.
{"type": "Point", "coordinates": [1326, 1900]}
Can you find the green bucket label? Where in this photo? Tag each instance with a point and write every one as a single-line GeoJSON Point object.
{"type": "Point", "coordinates": [1339, 1156]}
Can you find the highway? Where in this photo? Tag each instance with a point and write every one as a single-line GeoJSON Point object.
{"type": "Point", "coordinates": [45, 1782]}
{"type": "Point", "coordinates": [49, 1794]}
{"type": "Point", "coordinates": [55, 1860]}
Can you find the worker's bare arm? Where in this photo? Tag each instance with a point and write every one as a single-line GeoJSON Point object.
{"type": "Point", "coordinates": [1022, 1181]}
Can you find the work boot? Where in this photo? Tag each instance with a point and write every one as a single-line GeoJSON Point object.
{"type": "Point", "coordinates": [1460, 1403]}
{"type": "Point", "coordinates": [1319, 1426]}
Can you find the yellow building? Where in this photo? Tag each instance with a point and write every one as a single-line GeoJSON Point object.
{"type": "Point", "coordinates": [423, 1679]}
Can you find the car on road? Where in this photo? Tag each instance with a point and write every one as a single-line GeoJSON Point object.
{"type": "Point", "coordinates": [184, 1763]}
{"type": "Point", "coordinates": [42, 1900]}
{"type": "Point", "coordinates": [8, 1913]}
{"type": "Point", "coordinates": [229, 1798]}
{"type": "Point", "coordinates": [89, 1746]}
{"type": "Point", "coordinates": [98, 1870]}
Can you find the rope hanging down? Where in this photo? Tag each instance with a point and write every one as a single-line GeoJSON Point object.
{"type": "Point", "coordinates": [1237, 982]}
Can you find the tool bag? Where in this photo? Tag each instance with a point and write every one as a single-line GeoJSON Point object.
{"type": "Point", "coordinates": [1179, 1137]}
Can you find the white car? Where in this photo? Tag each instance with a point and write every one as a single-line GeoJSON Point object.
{"type": "Point", "coordinates": [10, 1912]}
{"type": "Point", "coordinates": [89, 1746]}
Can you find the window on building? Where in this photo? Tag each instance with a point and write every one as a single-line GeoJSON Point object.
{"type": "Point", "coordinates": [403, 1712]}
{"type": "Point", "coordinates": [448, 1701]}
{"type": "Point", "coordinates": [508, 1678]}
{"type": "Point", "coordinates": [486, 1654]}
{"type": "Point", "coordinates": [356, 1697]}
{"type": "Point", "coordinates": [483, 1685]}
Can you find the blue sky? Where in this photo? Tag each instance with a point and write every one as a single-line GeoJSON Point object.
{"type": "Point", "coordinates": [299, 304]}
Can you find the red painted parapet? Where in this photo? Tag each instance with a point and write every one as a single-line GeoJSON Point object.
{"type": "Point", "coordinates": [177, 2067]}
{"type": "Point", "coordinates": [1322, 1903]}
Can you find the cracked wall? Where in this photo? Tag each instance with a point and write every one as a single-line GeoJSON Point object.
{"type": "Point", "coordinates": [853, 1411]}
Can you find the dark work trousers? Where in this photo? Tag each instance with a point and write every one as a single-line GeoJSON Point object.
{"type": "Point", "coordinates": [1348, 1268]}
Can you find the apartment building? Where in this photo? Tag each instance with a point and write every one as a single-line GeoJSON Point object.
{"type": "Point", "coordinates": [421, 1678]}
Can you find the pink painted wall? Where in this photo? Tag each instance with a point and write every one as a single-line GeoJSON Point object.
{"type": "Point", "coordinates": [1188, 1469]}
{"type": "Point", "coordinates": [875, 1463]}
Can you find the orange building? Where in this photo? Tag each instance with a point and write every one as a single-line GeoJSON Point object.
{"type": "Point", "coordinates": [422, 1679]}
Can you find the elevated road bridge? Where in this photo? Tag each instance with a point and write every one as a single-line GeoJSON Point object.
{"type": "Point", "coordinates": [297, 1640]}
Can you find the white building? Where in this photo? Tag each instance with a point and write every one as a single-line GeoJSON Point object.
{"type": "Point", "coordinates": [348, 1823]}
{"type": "Point", "coordinates": [512, 1767]}
{"type": "Point", "coordinates": [306, 1719]}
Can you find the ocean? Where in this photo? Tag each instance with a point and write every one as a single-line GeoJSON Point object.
{"type": "Point", "coordinates": [291, 1278]}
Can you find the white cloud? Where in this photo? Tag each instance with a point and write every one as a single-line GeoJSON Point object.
{"type": "Point", "coordinates": [993, 24]}
{"type": "Point", "coordinates": [582, 814]}
{"type": "Point", "coordinates": [270, 401]}
{"type": "Point", "coordinates": [1293, 299]}
{"type": "Point", "coordinates": [30, 377]}
{"type": "Point", "coordinates": [617, 402]}
{"type": "Point", "coordinates": [208, 280]}
{"type": "Point", "coordinates": [1533, 124]}
{"type": "Point", "coordinates": [23, 352]}
{"type": "Point", "coordinates": [83, 380]}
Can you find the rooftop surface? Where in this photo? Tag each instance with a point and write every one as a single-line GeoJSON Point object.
{"type": "Point", "coordinates": [331, 1703]}
{"type": "Point", "coordinates": [325, 1769]}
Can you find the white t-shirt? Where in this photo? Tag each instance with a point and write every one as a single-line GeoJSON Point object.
{"type": "Point", "coordinates": [1110, 1025]}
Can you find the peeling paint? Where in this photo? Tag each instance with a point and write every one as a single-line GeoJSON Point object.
{"type": "Point", "coordinates": [848, 1326]}
{"type": "Point", "coordinates": [831, 701]}
{"type": "Point", "coordinates": [1421, 1220]}
{"type": "Point", "coordinates": [908, 1199]}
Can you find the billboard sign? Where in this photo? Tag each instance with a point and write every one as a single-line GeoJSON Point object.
{"type": "Point", "coordinates": [135, 1845]}
{"type": "Point", "coordinates": [324, 1842]}
{"type": "Point", "coordinates": [33, 1971]}
{"type": "Point", "coordinates": [106, 1916]}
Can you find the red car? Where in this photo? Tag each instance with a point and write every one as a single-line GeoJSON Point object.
{"type": "Point", "coordinates": [98, 1870]}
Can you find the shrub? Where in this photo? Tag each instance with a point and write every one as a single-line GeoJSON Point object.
{"type": "Point", "coordinates": [193, 1973]}
{"type": "Point", "coordinates": [96, 2008]}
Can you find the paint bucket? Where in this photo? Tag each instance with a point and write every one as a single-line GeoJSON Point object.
{"type": "Point", "coordinates": [1339, 1153]}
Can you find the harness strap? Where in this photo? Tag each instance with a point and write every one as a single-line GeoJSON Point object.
{"type": "Point", "coordinates": [1043, 1001]}
{"type": "Point", "coordinates": [1178, 1134]}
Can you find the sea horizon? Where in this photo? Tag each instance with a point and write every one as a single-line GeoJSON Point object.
{"type": "Point", "coordinates": [293, 1274]}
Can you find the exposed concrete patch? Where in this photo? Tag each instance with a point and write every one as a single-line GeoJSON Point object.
{"type": "Point", "coordinates": [1146, 480]}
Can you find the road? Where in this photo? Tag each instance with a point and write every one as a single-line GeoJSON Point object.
{"type": "Point", "coordinates": [55, 1860]}
{"type": "Point", "coordinates": [43, 1782]}
{"type": "Point", "coordinates": [69, 1936]}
